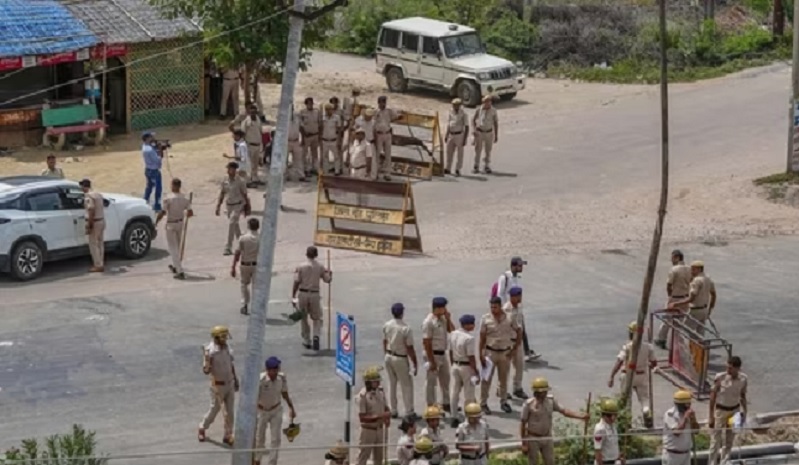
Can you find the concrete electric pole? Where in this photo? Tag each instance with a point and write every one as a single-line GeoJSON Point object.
{"type": "Point", "coordinates": [792, 162]}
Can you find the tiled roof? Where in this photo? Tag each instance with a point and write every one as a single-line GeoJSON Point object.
{"type": "Point", "coordinates": [128, 21]}
{"type": "Point", "coordinates": [40, 27]}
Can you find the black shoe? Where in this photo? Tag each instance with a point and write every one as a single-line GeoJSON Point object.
{"type": "Point", "coordinates": [661, 344]}
{"type": "Point", "coordinates": [488, 170]}
{"type": "Point", "coordinates": [394, 415]}
{"type": "Point", "coordinates": [521, 394]}
{"type": "Point", "coordinates": [446, 172]}
{"type": "Point", "coordinates": [386, 178]}
{"type": "Point", "coordinates": [307, 345]}
{"type": "Point", "coordinates": [508, 396]}
{"type": "Point", "coordinates": [316, 343]}
{"type": "Point", "coordinates": [447, 408]}
{"type": "Point", "coordinates": [454, 422]}
{"type": "Point", "coordinates": [172, 269]}
{"type": "Point", "coordinates": [283, 208]}
{"type": "Point", "coordinates": [244, 310]}
{"type": "Point", "coordinates": [533, 356]}
{"type": "Point", "coordinates": [457, 173]}
{"type": "Point", "coordinates": [486, 409]}
{"type": "Point", "coordinates": [227, 252]}
{"type": "Point", "coordinates": [505, 407]}
{"type": "Point", "coordinates": [475, 170]}
{"type": "Point", "coordinates": [180, 276]}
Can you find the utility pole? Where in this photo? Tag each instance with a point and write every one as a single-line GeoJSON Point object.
{"type": "Point", "coordinates": [256, 326]}
{"type": "Point", "coordinates": [791, 163]}
{"type": "Point", "coordinates": [654, 249]}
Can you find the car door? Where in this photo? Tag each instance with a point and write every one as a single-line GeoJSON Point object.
{"type": "Point", "coordinates": [51, 220]}
{"type": "Point", "coordinates": [409, 55]}
{"type": "Point", "coordinates": [432, 62]}
{"type": "Point", "coordinates": [72, 198]}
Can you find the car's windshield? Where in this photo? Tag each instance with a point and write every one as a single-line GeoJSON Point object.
{"type": "Point", "coordinates": [10, 202]}
{"type": "Point", "coordinates": [464, 44]}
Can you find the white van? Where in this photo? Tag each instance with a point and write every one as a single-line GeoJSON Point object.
{"type": "Point", "coordinates": [433, 54]}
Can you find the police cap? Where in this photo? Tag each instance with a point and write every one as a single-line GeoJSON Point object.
{"type": "Point", "coordinates": [272, 363]}
{"type": "Point", "coordinates": [397, 309]}
{"type": "Point", "coordinates": [515, 291]}
{"type": "Point", "coordinates": [439, 302]}
{"type": "Point", "coordinates": [467, 320]}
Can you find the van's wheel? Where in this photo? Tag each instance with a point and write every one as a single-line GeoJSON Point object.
{"type": "Point", "coordinates": [27, 261]}
{"type": "Point", "coordinates": [136, 240]}
{"type": "Point", "coordinates": [395, 80]}
{"type": "Point", "coordinates": [469, 93]}
{"type": "Point", "coordinates": [507, 97]}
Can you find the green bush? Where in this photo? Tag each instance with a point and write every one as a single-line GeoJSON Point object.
{"type": "Point", "coordinates": [73, 448]}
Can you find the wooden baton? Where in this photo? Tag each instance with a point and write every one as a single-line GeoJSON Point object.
{"type": "Point", "coordinates": [585, 428]}
{"type": "Point", "coordinates": [185, 228]}
{"type": "Point", "coordinates": [329, 286]}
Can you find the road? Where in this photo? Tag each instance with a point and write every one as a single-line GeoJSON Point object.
{"type": "Point", "coordinates": [119, 353]}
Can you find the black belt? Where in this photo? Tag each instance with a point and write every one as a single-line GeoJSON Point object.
{"type": "Point", "coordinates": [728, 409]}
{"type": "Point", "coordinates": [383, 132]}
{"type": "Point", "coordinates": [497, 350]}
{"type": "Point", "coordinates": [249, 263]}
{"type": "Point", "coordinates": [609, 462]}
{"type": "Point", "coordinates": [235, 203]}
{"type": "Point", "coordinates": [679, 296]}
{"type": "Point", "coordinates": [175, 221]}
{"type": "Point", "coordinates": [439, 352]}
{"type": "Point", "coordinates": [485, 130]}
{"type": "Point", "coordinates": [452, 133]}
{"type": "Point", "coordinates": [254, 143]}
{"type": "Point", "coordinates": [699, 308]}
{"type": "Point", "coordinates": [396, 354]}
{"type": "Point", "coordinates": [330, 140]}
{"type": "Point", "coordinates": [311, 134]}
{"type": "Point", "coordinates": [472, 456]}
{"type": "Point", "coordinates": [462, 363]}
{"type": "Point", "coordinates": [358, 167]}
{"type": "Point", "coordinates": [672, 451]}
{"type": "Point", "coordinates": [309, 291]}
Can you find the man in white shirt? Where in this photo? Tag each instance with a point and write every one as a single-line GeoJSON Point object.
{"type": "Point", "coordinates": [606, 437]}
{"type": "Point", "coordinates": [241, 155]}
{"type": "Point", "coordinates": [508, 280]}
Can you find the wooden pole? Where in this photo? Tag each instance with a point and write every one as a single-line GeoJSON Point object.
{"type": "Point", "coordinates": [585, 429]}
{"type": "Point", "coordinates": [385, 445]}
{"type": "Point", "coordinates": [329, 311]}
{"type": "Point", "coordinates": [105, 82]}
{"type": "Point", "coordinates": [185, 229]}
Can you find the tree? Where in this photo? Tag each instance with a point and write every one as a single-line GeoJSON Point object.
{"type": "Point", "coordinates": [252, 33]}
{"type": "Point", "coordinates": [78, 447]}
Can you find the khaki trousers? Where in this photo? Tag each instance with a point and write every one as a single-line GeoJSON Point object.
{"type": "Point", "coordinates": [311, 304]}
{"type": "Point", "coordinates": [254, 151]}
{"type": "Point", "coordinates": [641, 389]}
{"type": "Point", "coordinates": [174, 233]}
{"type": "Point", "coordinates": [441, 377]}
{"type": "Point", "coordinates": [722, 417]}
{"type": "Point", "coordinates": [502, 365]}
{"type": "Point", "coordinates": [247, 273]}
{"type": "Point", "coordinates": [330, 147]}
{"type": "Point", "coordinates": [221, 396]}
{"type": "Point", "coordinates": [234, 213]}
{"type": "Point", "coordinates": [669, 458]}
{"type": "Point", "coordinates": [517, 362]}
{"type": "Point", "coordinates": [483, 141]}
{"type": "Point", "coordinates": [381, 161]}
{"type": "Point", "coordinates": [461, 379]}
{"type": "Point", "coordinates": [273, 420]}
{"type": "Point", "coordinates": [370, 442]}
{"type": "Point", "coordinates": [545, 447]}
{"type": "Point", "coordinates": [230, 91]}
{"type": "Point", "coordinates": [310, 145]}
{"type": "Point", "coordinates": [297, 159]}
{"type": "Point", "coordinates": [699, 316]}
{"type": "Point", "coordinates": [96, 243]}
{"type": "Point", "coordinates": [399, 371]}
{"type": "Point", "coordinates": [455, 143]}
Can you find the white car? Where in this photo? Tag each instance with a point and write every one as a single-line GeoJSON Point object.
{"type": "Point", "coordinates": [43, 219]}
{"type": "Point", "coordinates": [443, 56]}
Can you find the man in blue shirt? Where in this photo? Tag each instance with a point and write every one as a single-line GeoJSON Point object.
{"type": "Point", "coordinates": [152, 168]}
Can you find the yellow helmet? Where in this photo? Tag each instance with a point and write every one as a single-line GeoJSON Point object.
{"type": "Point", "coordinates": [423, 445]}
{"type": "Point", "coordinates": [432, 412]}
{"type": "Point", "coordinates": [292, 431]}
{"type": "Point", "coordinates": [372, 374]}
{"type": "Point", "coordinates": [609, 407]}
{"type": "Point", "coordinates": [220, 331]}
{"type": "Point", "coordinates": [633, 327]}
{"type": "Point", "coordinates": [540, 385]}
{"type": "Point", "coordinates": [473, 410]}
{"type": "Point", "coordinates": [339, 451]}
{"type": "Point", "coordinates": [682, 397]}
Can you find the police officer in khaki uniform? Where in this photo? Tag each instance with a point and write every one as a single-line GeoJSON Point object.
{"type": "Point", "coordinates": [536, 423]}
{"type": "Point", "coordinates": [472, 437]}
{"type": "Point", "coordinates": [295, 149]}
{"type": "Point", "coordinates": [230, 91]}
{"type": "Point", "coordinates": [176, 209]}
{"type": "Point", "coordinates": [456, 136]}
{"type": "Point", "coordinates": [486, 133]}
{"type": "Point", "coordinates": [432, 416]}
{"type": "Point", "coordinates": [218, 363]}
{"type": "Point", "coordinates": [727, 397]}
{"type": "Point", "coordinates": [247, 252]}
{"type": "Point", "coordinates": [646, 361]}
{"type": "Point", "coordinates": [305, 293]}
{"type": "Point", "coordinates": [250, 123]}
{"type": "Point", "coordinates": [701, 298]}
{"type": "Point", "coordinates": [310, 123]}
{"type": "Point", "coordinates": [374, 415]}
{"type": "Point", "coordinates": [398, 348]}
{"type": "Point", "coordinates": [422, 451]}
{"type": "Point", "coordinates": [273, 389]}
{"type": "Point", "coordinates": [435, 333]}
{"type": "Point", "coordinates": [381, 159]}
{"type": "Point", "coordinates": [52, 171]}
{"type": "Point", "coordinates": [349, 105]}
{"type": "Point", "coordinates": [95, 225]}
{"type": "Point", "coordinates": [677, 288]}
{"type": "Point", "coordinates": [679, 424]}
{"type": "Point", "coordinates": [514, 310]}
{"type": "Point", "coordinates": [237, 203]}
{"type": "Point", "coordinates": [464, 365]}
{"type": "Point", "coordinates": [497, 333]}
{"type": "Point", "coordinates": [331, 131]}
{"type": "Point", "coordinates": [606, 436]}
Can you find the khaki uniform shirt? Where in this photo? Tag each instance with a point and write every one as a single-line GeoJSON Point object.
{"type": "Point", "coordinates": [372, 403]}
{"type": "Point", "coordinates": [235, 189]}
{"type": "Point", "coordinates": [606, 440]}
{"type": "Point", "coordinates": [462, 345]}
{"type": "Point", "coordinates": [331, 126]}
{"type": "Point", "coordinates": [701, 287]}
{"type": "Point", "coordinates": [516, 315]}
{"type": "Point", "coordinates": [383, 119]}
{"type": "Point", "coordinates": [680, 280]}
{"type": "Point", "coordinates": [348, 108]}
{"type": "Point", "coordinates": [221, 362]}
{"type": "Point", "coordinates": [539, 416]}
{"type": "Point", "coordinates": [248, 247]}
{"type": "Point", "coordinates": [467, 434]}
{"type": "Point", "coordinates": [499, 334]}
{"type": "Point", "coordinates": [253, 128]}
{"type": "Point", "coordinates": [456, 121]}
{"type": "Point", "coordinates": [175, 206]}
{"type": "Point", "coordinates": [270, 393]}
{"type": "Point", "coordinates": [730, 390]}
{"type": "Point", "coordinates": [398, 337]}
{"type": "Point", "coordinates": [94, 201]}
{"type": "Point", "coordinates": [486, 118]}
{"type": "Point", "coordinates": [405, 449]}
{"type": "Point", "coordinates": [310, 121]}
{"type": "Point", "coordinates": [308, 275]}
{"type": "Point", "coordinates": [368, 127]}
{"type": "Point", "coordinates": [646, 355]}
{"type": "Point", "coordinates": [56, 173]}
{"type": "Point", "coordinates": [675, 440]}
{"type": "Point", "coordinates": [435, 329]}
{"type": "Point", "coordinates": [440, 449]}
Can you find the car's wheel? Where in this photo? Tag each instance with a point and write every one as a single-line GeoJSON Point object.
{"type": "Point", "coordinates": [27, 261]}
{"type": "Point", "coordinates": [395, 80]}
{"type": "Point", "coordinates": [469, 93]}
{"type": "Point", "coordinates": [136, 239]}
{"type": "Point", "coordinates": [507, 97]}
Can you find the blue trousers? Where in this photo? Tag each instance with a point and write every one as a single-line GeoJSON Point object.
{"type": "Point", "coordinates": [153, 178]}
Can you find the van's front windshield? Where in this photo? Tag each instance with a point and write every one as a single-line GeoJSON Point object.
{"type": "Point", "coordinates": [464, 44]}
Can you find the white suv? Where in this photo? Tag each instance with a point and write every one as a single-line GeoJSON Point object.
{"type": "Point", "coordinates": [43, 219]}
{"type": "Point", "coordinates": [443, 56]}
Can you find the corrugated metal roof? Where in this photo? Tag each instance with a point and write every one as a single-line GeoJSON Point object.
{"type": "Point", "coordinates": [40, 27]}
{"type": "Point", "coordinates": [128, 21]}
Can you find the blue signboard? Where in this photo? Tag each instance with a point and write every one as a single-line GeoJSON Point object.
{"type": "Point", "coordinates": [345, 348]}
